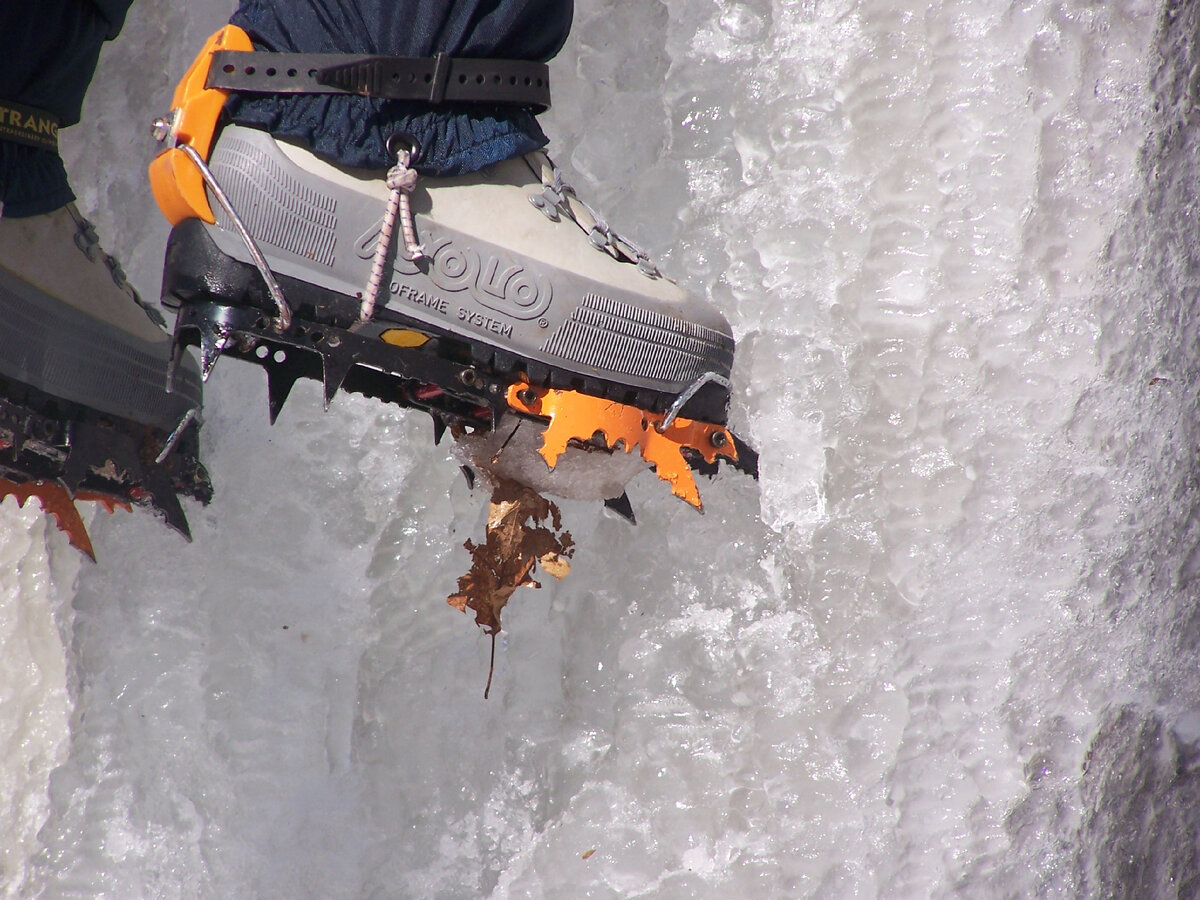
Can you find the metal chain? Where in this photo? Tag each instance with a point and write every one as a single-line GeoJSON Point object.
{"type": "Point", "coordinates": [559, 199]}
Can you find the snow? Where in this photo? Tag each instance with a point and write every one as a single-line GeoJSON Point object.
{"type": "Point", "coordinates": [946, 646]}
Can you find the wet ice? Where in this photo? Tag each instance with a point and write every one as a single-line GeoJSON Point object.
{"type": "Point", "coordinates": [943, 649]}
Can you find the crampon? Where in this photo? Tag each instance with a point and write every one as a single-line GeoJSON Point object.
{"type": "Point", "coordinates": [62, 454]}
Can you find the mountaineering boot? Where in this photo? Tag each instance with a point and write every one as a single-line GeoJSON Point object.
{"type": "Point", "coordinates": [485, 298]}
{"type": "Point", "coordinates": [515, 273]}
{"type": "Point", "coordinates": [85, 409]}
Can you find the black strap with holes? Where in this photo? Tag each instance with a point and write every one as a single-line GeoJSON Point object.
{"type": "Point", "coordinates": [432, 79]}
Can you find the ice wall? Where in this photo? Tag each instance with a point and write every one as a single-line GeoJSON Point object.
{"type": "Point", "coordinates": [35, 708]}
{"type": "Point", "coordinates": [946, 648]}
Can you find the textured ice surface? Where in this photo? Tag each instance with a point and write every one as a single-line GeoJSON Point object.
{"type": "Point", "coordinates": [34, 704]}
{"type": "Point", "coordinates": [946, 649]}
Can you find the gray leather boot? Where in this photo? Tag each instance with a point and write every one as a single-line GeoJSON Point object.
{"type": "Point", "coordinates": [86, 407]}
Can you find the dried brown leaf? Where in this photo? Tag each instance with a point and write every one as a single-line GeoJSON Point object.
{"type": "Point", "coordinates": [523, 530]}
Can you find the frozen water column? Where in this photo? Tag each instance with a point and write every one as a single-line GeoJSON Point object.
{"type": "Point", "coordinates": [35, 703]}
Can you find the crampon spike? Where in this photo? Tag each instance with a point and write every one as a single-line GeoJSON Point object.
{"type": "Point", "coordinates": [211, 346]}
{"type": "Point", "coordinates": [333, 373]}
{"type": "Point", "coordinates": [163, 499]}
{"type": "Point", "coordinates": [582, 417]}
{"type": "Point", "coordinates": [279, 386]}
{"type": "Point", "coordinates": [622, 507]}
{"type": "Point", "coordinates": [58, 503]}
{"type": "Point", "coordinates": [439, 429]}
